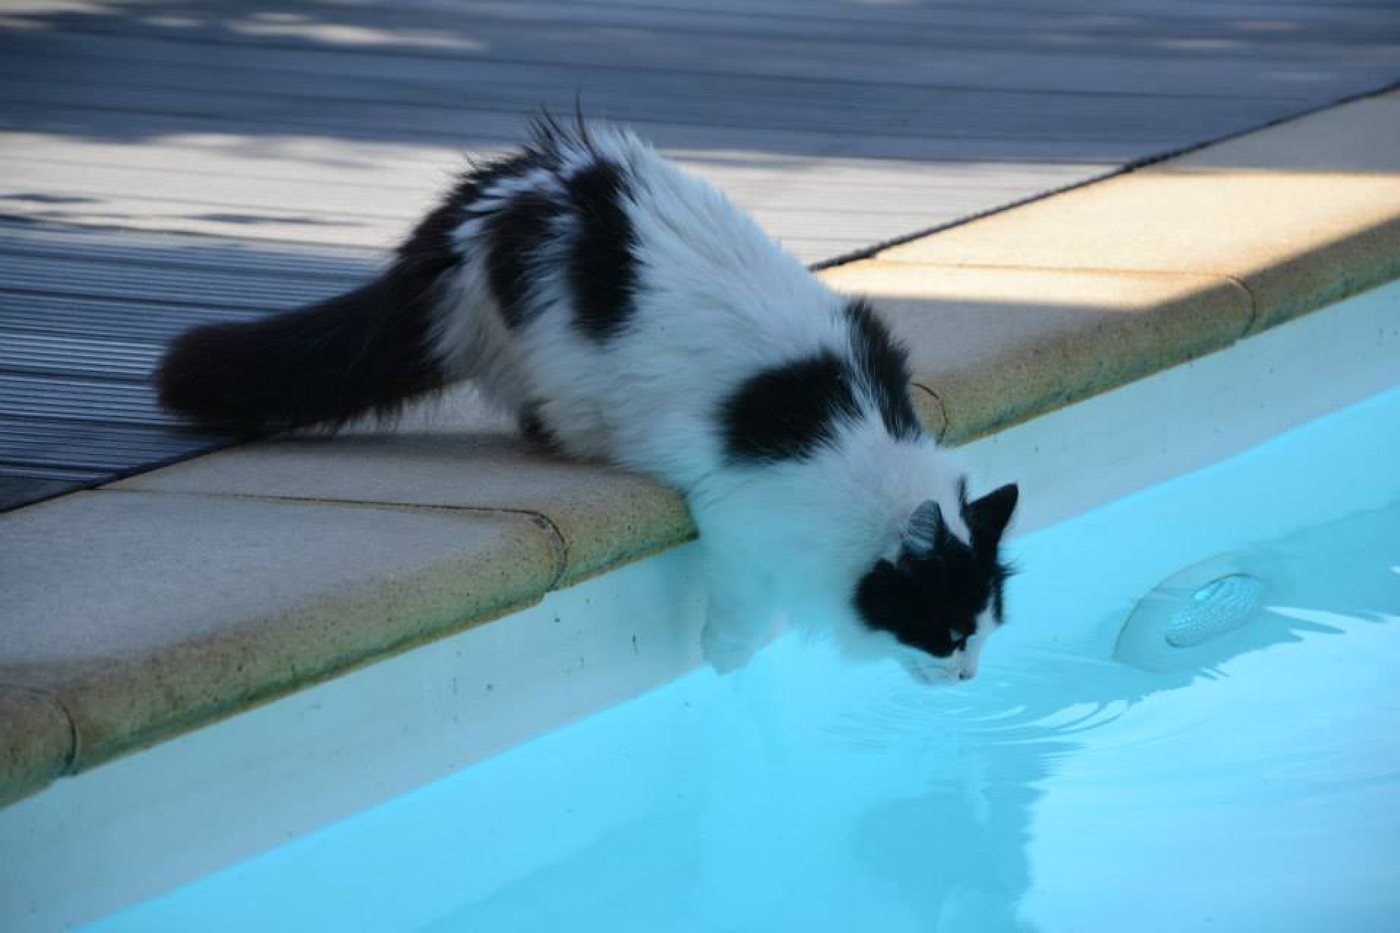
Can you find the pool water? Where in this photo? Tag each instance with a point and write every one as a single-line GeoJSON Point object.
{"type": "Point", "coordinates": [1247, 778]}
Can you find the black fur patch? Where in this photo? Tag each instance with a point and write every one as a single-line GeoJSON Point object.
{"type": "Point", "coordinates": [931, 600]}
{"type": "Point", "coordinates": [534, 429]}
{"type": "Point", "coordinates": [430, 244]}
{"type": "Point", "coordinates": [602, 268]}
{"type": "Point", "coordinates": [988, 517]}
{"type": "Point", "coordinates": [787, 412]}
{"type": "Point", "coordinates": [515, 234]}
{"type": "Point", "coordinates": [884, 366]}
{"type": "Point", "coordinates": [363, 351]}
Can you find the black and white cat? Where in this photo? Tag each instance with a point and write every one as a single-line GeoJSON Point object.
{"type": "Point", "coordinates": [627, 311]}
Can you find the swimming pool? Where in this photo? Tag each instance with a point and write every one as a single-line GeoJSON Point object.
{"type": "Point", "coordinates": [1247, 778]}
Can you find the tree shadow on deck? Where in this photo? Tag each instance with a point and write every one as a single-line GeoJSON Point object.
{"type": "Point", "coordinates": [900, 81]}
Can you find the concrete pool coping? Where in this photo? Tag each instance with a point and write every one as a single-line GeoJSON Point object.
{"type": "Point", "coordinates": [174, 598]}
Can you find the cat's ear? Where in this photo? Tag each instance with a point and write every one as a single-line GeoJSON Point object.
{"type": "Point", "coordinates": [988, 517]}
{"type": "Point", "coordinates": [926, 529]}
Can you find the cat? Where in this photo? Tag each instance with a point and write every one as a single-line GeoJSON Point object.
{"type": "Point", "coordinates": [624, 310]}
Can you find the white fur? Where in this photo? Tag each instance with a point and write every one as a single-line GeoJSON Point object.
{"type": "Point", "coordinates": [717, 301]}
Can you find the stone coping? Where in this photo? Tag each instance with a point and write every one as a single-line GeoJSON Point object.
{"type": "Point", "coordinates": [168, 600]}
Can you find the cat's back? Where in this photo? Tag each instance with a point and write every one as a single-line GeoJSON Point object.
{"type": "Point", "coordinates": [642, 247]}
{"type": "Point", "coordinates": [641, 297]}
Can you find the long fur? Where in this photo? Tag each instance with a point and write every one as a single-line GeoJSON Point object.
{"type": "Point", "coordinates": [627, 311]}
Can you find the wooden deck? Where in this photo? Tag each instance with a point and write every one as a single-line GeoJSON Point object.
{"type": "Point", "coordinates": [166, 163]}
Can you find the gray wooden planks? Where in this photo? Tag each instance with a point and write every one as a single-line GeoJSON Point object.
{"type": "Point", "coordinates": [164, 164]}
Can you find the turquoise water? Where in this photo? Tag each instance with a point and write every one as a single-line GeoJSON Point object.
{"type": "Point", "coordinates": [1247, 780]}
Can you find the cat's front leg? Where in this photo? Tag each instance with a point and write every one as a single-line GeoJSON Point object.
{"type": "Point", "coordinates": [737, 619]}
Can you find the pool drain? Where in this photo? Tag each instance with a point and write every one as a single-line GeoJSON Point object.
{"type": "Point", "coordinates": [1188, 610]}
{"type": "Point", "coordinates": [1221, 605]}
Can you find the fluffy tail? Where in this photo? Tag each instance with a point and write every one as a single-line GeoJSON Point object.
{"type": "Point", "coordinates": [365, 351]}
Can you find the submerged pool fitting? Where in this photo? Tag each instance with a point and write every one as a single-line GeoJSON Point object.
{"type": "Point", "coordinates": [1189, 609]}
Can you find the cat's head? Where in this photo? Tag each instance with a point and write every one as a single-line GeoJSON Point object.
{"type": "Point", "coordinates": [933, 599]}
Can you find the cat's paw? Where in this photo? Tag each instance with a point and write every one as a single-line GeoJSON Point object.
{"type": "Point", "coordinates": [723, 652]}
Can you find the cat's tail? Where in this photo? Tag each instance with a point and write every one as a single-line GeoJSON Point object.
{"type": "Point", "coordinates": [366, 351]}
